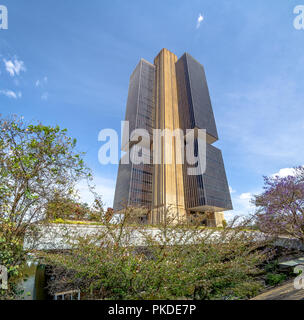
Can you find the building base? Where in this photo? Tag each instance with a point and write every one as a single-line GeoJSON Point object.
{"type": "Point", "coordinates": [172, 215]}
{"type": "Point", "coordinates": [208, 219]}
{"type": "Point", "coordinates": [215, 219]}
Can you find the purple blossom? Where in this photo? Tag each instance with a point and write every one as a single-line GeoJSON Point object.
{"type": "Point", "coordinates": [281, 205]}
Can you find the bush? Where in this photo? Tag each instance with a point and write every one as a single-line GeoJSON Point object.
{"type": "Point", "coordinates": [12, 256]}
{"type": "Point", "coordinates": [220, 264]}
{"type": "Point", "coordinates": [273, 279]}
{"type": "Point", "coordinates": [224, 223]}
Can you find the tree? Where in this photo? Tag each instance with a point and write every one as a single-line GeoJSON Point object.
{"type": "Point", "coordinates": [66, 208]}
{"type": "Point", "coordinates": [280, 208]}
{"type": "Point", "coordinates": [37, 162]}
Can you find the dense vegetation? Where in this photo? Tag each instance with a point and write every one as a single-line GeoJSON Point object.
{"type": "Point", "coordinates": [176, 262]}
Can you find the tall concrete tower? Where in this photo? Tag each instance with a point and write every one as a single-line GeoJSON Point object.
{"type": "Point", "coordinates": [168, 184]}
{"type": "Point", "coordinates": [172, 94]}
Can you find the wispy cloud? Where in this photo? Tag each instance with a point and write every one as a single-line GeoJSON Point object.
{"type": "Point", "coordinates": [265, 121]}
{"type": "Point", "coordinates": [199, 20]}
{"type": "Point", "coordinates": [45, 96]}
{"type": "Point", "coordinates": [41, 82]}
{"type": "Point", "coordinates": [14, 67]}
{"type": "Point", "coordinates": [11, 94]}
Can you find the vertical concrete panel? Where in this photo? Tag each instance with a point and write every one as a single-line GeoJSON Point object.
{"type": "Point", "coordinates": [168, 179]}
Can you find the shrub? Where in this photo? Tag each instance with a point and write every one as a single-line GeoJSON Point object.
{"type": "Point", "coordinates": [273, 279]}
{"type": "Point", "coordinates": [168, 264]}
{"type": "Point", "coordinates": [224, 223]}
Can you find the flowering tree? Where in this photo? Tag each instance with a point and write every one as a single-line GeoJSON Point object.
{"type": "Point", "coordinates": [281, 205]}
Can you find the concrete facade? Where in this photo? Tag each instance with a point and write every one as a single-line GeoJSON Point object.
{"type": "Point", "coordinates": [172, 94]}
{"type": "Point", "coordinates": [168, 184]}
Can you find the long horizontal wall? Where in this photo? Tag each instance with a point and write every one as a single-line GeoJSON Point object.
{"type": "Point", "coordinates": [57, 236]}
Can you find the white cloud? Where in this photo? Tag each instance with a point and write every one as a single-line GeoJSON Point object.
{"type": "Point", "coordinates": [11, 94]}
{"type": "Point", "coordinates": [104, 187]}
{"type": "Point", "coordinates": [246, 196]}
{"type": "Point", "coordinates": [45, 96]}
{"type": "Point", "coordinates": [199, 20]}
{"type": "Point", "coordinates": [231, 190]}
{"type": "Point", "coordinates": [242, 205]}
{"type": "Point", "coordinates": [14, 67]}
{"type": "Point", "coordinates": [285, 172]}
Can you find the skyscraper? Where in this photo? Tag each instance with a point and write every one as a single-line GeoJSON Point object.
{"type": "Point", "coordinates": [172, 94]}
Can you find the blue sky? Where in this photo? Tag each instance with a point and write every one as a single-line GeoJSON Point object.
{"type": "Point", "coordinates": [68, 63]}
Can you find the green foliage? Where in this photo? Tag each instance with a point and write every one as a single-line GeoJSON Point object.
{"type": "Point", "coordinates": [12, 256]}
{"type": "Point", "coordinates": [38, 163]}
{"type": "Point", "coordinates": [224, 223]}
{"type": "Point", "coordinates": [66, 208]}
{"type": "Point", "coordinates": [274, 275]}
{"type": "Point", "coordinates": [62, 221]}
{"type": "Point", "coordinates": [245, 290]}
{"type": "Point", "coordinates": [272, 266]}
{"type": "Point", "coordinates": [167, 265]}
{"type": "Point", "coordinates": [273, 279]}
